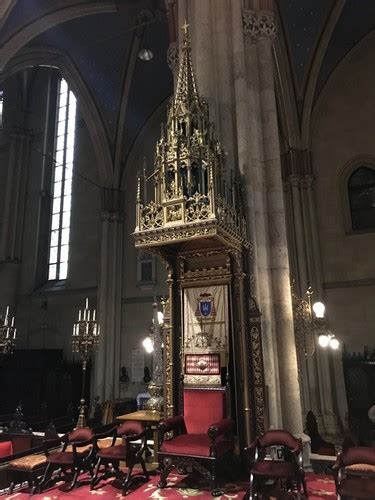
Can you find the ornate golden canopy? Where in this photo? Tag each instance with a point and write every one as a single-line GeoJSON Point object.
{"type": "Point", "coordinates": [191, 195]}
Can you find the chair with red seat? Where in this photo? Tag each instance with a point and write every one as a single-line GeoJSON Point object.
{"type": "Point", "coordinates": [75, 456]}
{"type": "Point", "coordinates": [202, 437]}
{"type": "Point", "coordinates": [129, 451]}
{"type": "Point", "coordinates": [355, 473]}
{"type": "Point", "coordinates": [285, 470]}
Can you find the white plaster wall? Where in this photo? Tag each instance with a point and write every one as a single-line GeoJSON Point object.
{"type": "Point", "coordinates": [343, 129]}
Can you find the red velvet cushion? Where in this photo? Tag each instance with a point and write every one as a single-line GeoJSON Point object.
{"type": "Point", "coordinates": [114, 452]}
{"type": "Point", "coordinates": [357, 487]}
{"type": "Point", "coordinates": [202, 408]}
{"type": "Point", "coordinates": [6, 448]}
{"type": "Point", "coordinates": [272, 468]}
{"type": "Point", "coordinates": [195, 444]}
{"type": "Point", "coordinates": [130, 428]}
{"type": "Point", "coordinates": [359, 455]}
{"type": "Point", "coordinates": [80, 434]}
{"type": "Point", "coordinates": [64, 457]}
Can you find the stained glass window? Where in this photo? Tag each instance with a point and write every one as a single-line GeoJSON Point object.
{"type": "Point", "coordinates": [62, 184]}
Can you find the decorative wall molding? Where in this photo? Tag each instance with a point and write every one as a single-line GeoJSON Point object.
{"type": "Point", "coordinates": [258, 25]}
{"type": "Point", "coordinates": [349, 283]}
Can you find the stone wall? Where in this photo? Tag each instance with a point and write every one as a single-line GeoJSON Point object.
{"type": "Point", "coordinates": [137, 299]}
{"type": "Point", "coordinates": [45, 313]}
{"type": "Point", "coordinates": [342, 139]}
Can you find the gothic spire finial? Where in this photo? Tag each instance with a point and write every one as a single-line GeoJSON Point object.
{"type": "Point", "coordinates": [185, 27]}
{"type": "Point", "coordinates": [186, 88]}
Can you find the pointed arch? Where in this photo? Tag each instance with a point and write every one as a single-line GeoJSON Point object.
{"type": "Point", "coordinates": [285, 95]}
{"type": "Point", "coordinates": [47, 21]}
{"type": "Point", "coordinates": [50, 56]}
{"type": "Point", "coordinates": [5, 8]}
{"type": "Point", "coordinates": [314, 72]}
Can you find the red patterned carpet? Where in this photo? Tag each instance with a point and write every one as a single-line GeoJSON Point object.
{"type": "Point", "coordinates": [319, 487]}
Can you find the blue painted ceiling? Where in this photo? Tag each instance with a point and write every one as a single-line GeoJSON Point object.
{"type": "Point", "coordinates": [302, 22]}
{"type": "Point", "coordinates": [99, 47]}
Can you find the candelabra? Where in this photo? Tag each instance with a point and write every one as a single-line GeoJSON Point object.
{"type": "Point", "coordinates": [85, 340]}
{"type": "Point", "coordinates": [8, 333]}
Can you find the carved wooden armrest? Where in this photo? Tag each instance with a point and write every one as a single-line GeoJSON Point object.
{"type": "Point", "coordinates": [109, 433]}
{"type": "Point", "coordinates": [172, 424]}
{"type": "Point", "coordinates": [224, 426]}
{"type": "Point", "coordinates": [53, 443]}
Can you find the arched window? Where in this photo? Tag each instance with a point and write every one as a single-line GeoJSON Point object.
{"type": "Point", "coordinates": [361, 188]}
{"type": "Point", "coordinates": [145, 270]}
{"type": "Point", "coordinates": [62, 184]}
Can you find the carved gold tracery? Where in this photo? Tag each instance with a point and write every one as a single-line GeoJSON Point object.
{"type": "Point", "coordinates": [189, 178]}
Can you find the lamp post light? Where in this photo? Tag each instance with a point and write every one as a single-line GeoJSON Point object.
{"type": "Point", "coordinates": [85, 340]}
{"type": "Point", "coordinates": [8, 333]}
{"type": "Point", "coordinates": [154, 346]}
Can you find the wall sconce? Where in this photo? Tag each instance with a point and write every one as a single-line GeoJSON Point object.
{"type": "Point", "coordinates": [328, 339]}
{"type": "Point", "coordinates": [309, 322]}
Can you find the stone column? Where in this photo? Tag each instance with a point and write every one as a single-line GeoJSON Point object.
{"type": "Point", "coordinates": [255, 182]}
{"type": "Point", "coordinates": [238, 84]}
{"type": "Point", "coordinates": [278, 250]}
{"type": "Point", "coordinates": [326, 394]}
{"type": "Point", "coordinates": [316, 382]}
{"type": "Point", "coordinates": [295, 184]}
{"type": "Point", "coordinates": [14, 211]}
{"type": "Point", "coordinates": [107, 366]}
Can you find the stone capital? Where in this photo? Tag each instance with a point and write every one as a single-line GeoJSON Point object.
{"type": "Point", "coordinates": [110, 216]}
{"type": "Point", "coordinates": [260, 24]}
{"type": "Point", "coordinates": [294, 180]}
{"type": "Point", "coordinates": [307, 181]}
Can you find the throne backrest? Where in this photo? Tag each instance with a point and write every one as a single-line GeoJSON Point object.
{"type": "Point", "coordinates": [358, 455]}
{"type": "Point", "coordinates": [202, 408]}
{"type": "Point", "coordinates": [80, 434]}
{"type": "Point", "coordinates": [279, 437]}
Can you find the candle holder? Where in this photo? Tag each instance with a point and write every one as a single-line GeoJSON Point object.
{"type": "Point", "coordinates": [8, 333]}
{"type": "Point", "coordinates": [85, 341]}
{"type": "Point", "coordinates": [155, 387]}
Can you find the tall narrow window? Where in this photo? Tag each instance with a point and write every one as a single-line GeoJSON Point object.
{"type": "Point", "coordinates": [361, 187]}
{"type": "Point", "coordinates": [62, 184]}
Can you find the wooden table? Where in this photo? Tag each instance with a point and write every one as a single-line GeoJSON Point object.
{"type": "Point", "coordinates": [149, 418]}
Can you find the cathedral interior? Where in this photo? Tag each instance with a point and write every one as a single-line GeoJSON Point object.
{"type": "Point", "coordinates": [187, 225]}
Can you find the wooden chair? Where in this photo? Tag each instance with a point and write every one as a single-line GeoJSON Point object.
{"type": "Point", "coordinates": [284, 470]}
{"type": "Point", "coordinates": [75, 456]}
{"type": "Point", "coordinates": [128, 451]}
{"type": "Point", "coordinates": [355, 473]}
{"type": "Point", "coordinates": [202, 436]}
